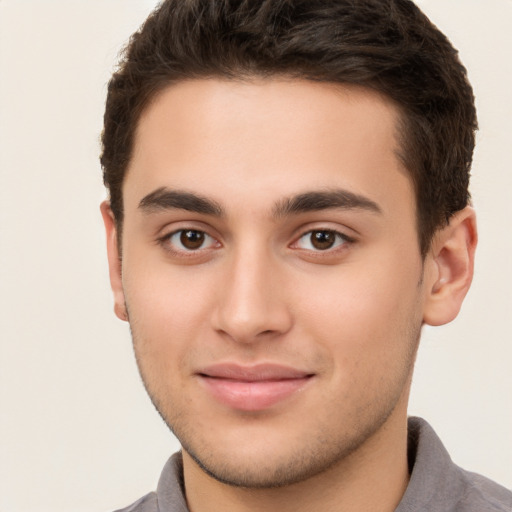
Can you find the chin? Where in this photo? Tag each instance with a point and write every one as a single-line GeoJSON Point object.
{"type": "Point", "coordinates": [260, 472]}
{"type": "Point", "coordinates": [261, 459]}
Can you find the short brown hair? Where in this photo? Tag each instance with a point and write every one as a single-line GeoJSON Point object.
{"type": "Point", "coordinates": [386, 45]}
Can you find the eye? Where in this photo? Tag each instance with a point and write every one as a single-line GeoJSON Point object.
{"type": "Point", "coordinates": [189, 240]}
{"type": "Point", "coordinates": [321, 240]}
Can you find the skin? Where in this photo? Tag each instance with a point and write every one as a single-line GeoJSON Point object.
{"type": "Point", "coordinates": [258, 289]}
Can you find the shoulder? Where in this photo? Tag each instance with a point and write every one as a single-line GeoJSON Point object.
{"type": "Point", "coordinates": [480, 493]}
{"type": "Point", "coordinates": [437, 484]}
{"type": "Point", "coordinates": [147, 503]}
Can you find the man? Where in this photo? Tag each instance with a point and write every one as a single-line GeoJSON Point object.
{"type": "Point", "coordinates": [288, 207]}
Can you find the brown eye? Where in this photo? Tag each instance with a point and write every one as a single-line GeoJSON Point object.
{"type": "Point", "coordinates": [321, 240]}
{"type": "Point", "coordinates": [189, 243]}
{"type": "Point", "coordinates": [192, 239]}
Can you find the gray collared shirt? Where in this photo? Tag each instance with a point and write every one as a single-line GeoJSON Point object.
{"type": "Point", "coordinates": [436, 484]}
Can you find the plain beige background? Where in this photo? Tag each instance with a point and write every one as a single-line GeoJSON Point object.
{"type": "Point", "coordinates": [77, 432]}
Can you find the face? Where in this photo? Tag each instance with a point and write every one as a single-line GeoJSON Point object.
{"type": "Point", "coordinates": [271, 273]}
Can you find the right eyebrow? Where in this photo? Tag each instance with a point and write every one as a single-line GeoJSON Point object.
{"type": "Point", "coordinates": [166, 199]}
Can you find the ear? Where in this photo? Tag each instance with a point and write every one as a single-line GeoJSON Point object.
{"type": "Point", "coordinates": [114, 261]}
{"type": "Point", "coordinates": [449, 268]}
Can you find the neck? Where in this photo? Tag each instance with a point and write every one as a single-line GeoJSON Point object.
{"type": "Point", "coordinates": [373, 477]}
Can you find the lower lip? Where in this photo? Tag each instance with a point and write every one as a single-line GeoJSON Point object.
{"type": "Point", "coordinates": [253, 396]}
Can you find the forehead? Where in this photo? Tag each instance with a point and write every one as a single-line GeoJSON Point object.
{"type": "Point", "coordinates": [235, 140]}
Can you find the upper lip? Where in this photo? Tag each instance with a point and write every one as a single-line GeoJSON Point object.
{"type": "Point", "coordinates": [254, 373]}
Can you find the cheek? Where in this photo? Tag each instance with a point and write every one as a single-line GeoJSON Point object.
{"type": "Point", "coordinates": [365, 317]}
{"type": "Point", "coordinates": [167, 309]}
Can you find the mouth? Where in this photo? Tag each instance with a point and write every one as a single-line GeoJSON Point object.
{"type": "Point", "coordinates": [253, 388]}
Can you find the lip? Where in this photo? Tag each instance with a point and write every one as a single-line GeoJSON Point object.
{"type": "Point", "coordinates": [252, 388]}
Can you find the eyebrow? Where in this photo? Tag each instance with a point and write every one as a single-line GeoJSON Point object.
{"type": "Point", "coordinates": [166, 199]}
{"type": "Point", "coordinates": [324, 200]}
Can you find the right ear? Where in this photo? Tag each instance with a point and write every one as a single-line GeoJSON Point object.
{"type": "Point", "coordinates": [114, 261]}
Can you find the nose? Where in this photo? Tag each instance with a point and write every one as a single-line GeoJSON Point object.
{"type": "Point", "coordinates": [251, 304]}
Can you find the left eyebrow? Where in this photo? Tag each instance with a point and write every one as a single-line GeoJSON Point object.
{"type": "Point", "coordinates": [324, 200]}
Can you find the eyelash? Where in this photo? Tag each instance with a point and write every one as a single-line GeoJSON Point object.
{"type": "Point", "coordinates": [166, 242]}
{"type": "Point", "coordinates": [340, 242]}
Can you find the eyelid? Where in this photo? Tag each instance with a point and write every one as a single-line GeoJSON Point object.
{"type": "Point", "coordinates": [340, 240]}
{"type": "Point", "coordinates": [348, 234]}
{"type": "Point", "coordinates": [208, 239]}
{"type": "Point", "coordinates": [164, 240]}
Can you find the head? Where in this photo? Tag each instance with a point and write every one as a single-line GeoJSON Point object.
{"type": "Point", "coordinates": [288, 207]}
{"type": "Point", "coordinates": [388, 46]}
